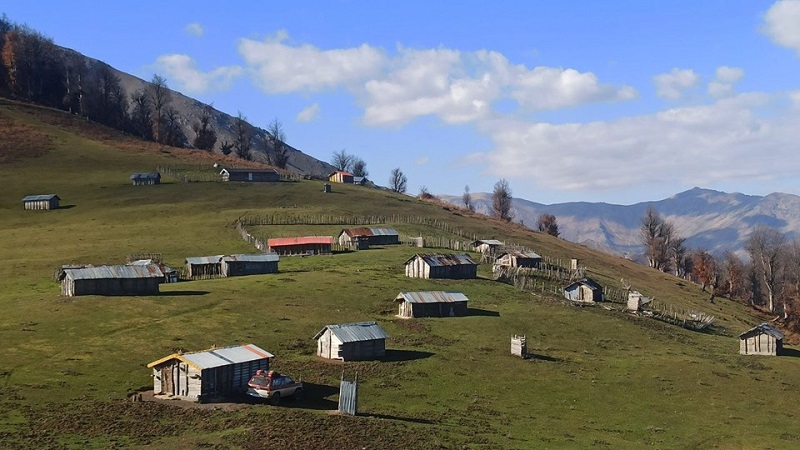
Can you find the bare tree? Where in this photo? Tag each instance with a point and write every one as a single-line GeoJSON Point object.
{"type": "Point", "coordinates": [733, 274]}
{"type": "Point", "coordinates": [359, 167]}
{"type": "Point", "coordinates": [547, 224]}
{"type": "Point", "coordinates": [501, 201]}
{"type": "Point", "coordinates": [791, 295]}
{"type": "Point", "coordinates": [141, 122]}
{"type": "Point", "coordinates": [766, 247]}
{"type": "Point", "coordinates": [342, 160]}
{"type": "Point", "coordinates": [677, 255]}
{"type": "Point", "coordinates": [657, 236]}
{"type": "Point", "coordinates": [243, 137]}
{"type": "Point", "coordinates": [704, 268]}
{"type": "Point", "coordinates": [226, 147]}
{"type": "Point", "coordinates": [205, 136]}
{"type": "Point", "coordinates": [467, 199]}
{"type": "Point", "coordinates": [280, 154]}
{"type": "Point", "coordinates": [425, 194]}
{"type": "Point", "coordinates": [398, 181]}
{"type": "Point", "coordinates": [173, 135]}
{"type": "Point", "coordinates": [160, 98]}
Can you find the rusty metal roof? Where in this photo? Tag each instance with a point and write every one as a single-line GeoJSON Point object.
{"type": "Point", "coordinates": [36, 198]}
{"type": "Point", "coordinates": [202, 260]}
{"type": "Point", "coordinates": [320, 240]}
{"type": "Point", "coordinates": [254, 257]}
{"type": "Point", "coordinates": [432, 297]}
{"type": "Point", "coordinates": [355, 332]}
{"type": "Point", "coordinates": [112, 272]}
{"type": "Point", "coordinates": [365, 231]}
{"type": "Point", "coordinates": [450, 259]}
{"type": "Point", "coordinates": [762, 328]}
{"type": "Point", "coordinates": [219, 356]}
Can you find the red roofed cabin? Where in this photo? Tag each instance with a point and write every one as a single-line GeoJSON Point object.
{"type": "Point", "coordinates": [307, 245]}
{"type": "Point", "coordinates": [341, 176]}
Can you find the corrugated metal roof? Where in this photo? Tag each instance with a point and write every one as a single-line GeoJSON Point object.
{"type": "Point", "coordinates": [279, 242]}
{"type": "Point", "coordinates": [451, 259]}
{"type": "Point", "coordinates": [764, 328]}
{"type": "Point", "coordinates": [248, 171]}
{"type": "Point", "coordinates": [110, 272]}
{"type": "Point", "coordinates": [488, 242]}
{"type": "Point", "coordinates": [355, 332]}
{"type": "Point", "coordinates": [364, 231]}
{"type": "Point", "coordinates": [384, 232]}
{"type": "Point", "coordinates": [145, 176]}
{"type": "Point", "coordinates": [588, 282]}
{"type": "Point", "coordinates": [36, 198]}
{"type": "Point", "coordinates": [201, 260]}
{"type": "Point", "coordinates": [432, 297]}
{"type": "Point", "coordinates": [254, 257]}
{"type": "Point", "coordinates": [520, 254]}
{"type": "Point", "coordinates": [219, 357]}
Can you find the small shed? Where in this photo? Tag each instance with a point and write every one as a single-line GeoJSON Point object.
{"type": "Point", "coordinates": [170, 274]}
{"type": "Point", "coordinates": [145, 179]}
{"type": "Point", "coordinates": [431, 304]}
{"type": "Point", "coordinates": [253, 264]}
{"type": "Point", "coordinates": [636, 300]}
{"type": "Point", "coordinates": [351, 341]}
{"type": "Point", "coordinates": [761, 340]}
{"type": "Point", "coordinates": [41, 202]}
{"type": "Point", "coordinates": [204, 266]}
{"type": "Point", "coordinates": [326, 188]}
{"type": "Point", "coordinates": [487, 245]}
{"type": "Point", "coordinates": [306, 245]}
{"type": "Point", "coordinates": [454, 265]}
{"type": "Point", "coordinates": [250, 175]}
{"type": "Point", "coordinates": [340, 176]}
{"type": "Point", "coordinates": [375, 236]}
{"type": "Point", "coordinates": [361, 181]}
{"type": "Point", "coordinates": [110, 280]}
{"type": "Point", "coordinates": [584, 291]}
{"type": "Point", "coordinates": [528, 260]}
{"type": "Point", "coordinates": [199, 376]}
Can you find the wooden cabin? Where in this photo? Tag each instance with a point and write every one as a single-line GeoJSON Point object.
{"type": "Point", "coordinates": [340, 176]}
{"type": "Point", "coordinates": [199, 267]}
{"type": "Point", "coordinates": [41, 202]}
{"type": "Point", "coordinates": [761, 340]}
{"type": "Point", "coordinates": [527, 260]}
{"type": "Point", "coordinates": [487, 245]}
{"type": "Point", "coordinates": [431, 304]}
{"type": "Point", "coordinates": [351, 341]}
{"type": "Point", "coordinates": [584, 291]}
{"type": "Point", "coordinates": [253, 264]}
{"type": "Point", "coordinates": [145, 179]}
{"type": "Point", "coordinates": [218, 372]}
{"type": "Point", "coordinates": [250, 175]}
{"type": "Point", "coordinates": [374, 236]}
{"type": "Point", "coordinates": [110, 280]}
{"type": "Point", "coordinates": [458, 266]}
{"type": "Point", "coordinates": [306, 245]}
{"type": "Point", "coordinates": [170, 274]}
{"type": "Point", "coordinates": [636, 300]}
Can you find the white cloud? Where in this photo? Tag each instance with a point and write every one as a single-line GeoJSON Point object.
{"type": "Point", "coordinates": [308, 114]}
{"type": "Point", "coordinates": [698, 146]}
{"type": "Point", "coordinates": [722, 86]}
{"type": "Point", "coordinates": [277, 67]}
{"type": "Point", "coordinates": [552, 88]}
{"type": "Point", "coordinates": [183, 70]}
{"type": "Point", "coordinates": [674, 84]}
{"type": "Point", "coordinates": [194, 29]}
{"type": "Point", "coordinates": [782, 24]}
{"type": "Point", "coordinates": [422, 160]}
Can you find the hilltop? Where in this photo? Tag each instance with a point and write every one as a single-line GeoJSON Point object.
{"type": "Point", "coordinates": [599, 376]}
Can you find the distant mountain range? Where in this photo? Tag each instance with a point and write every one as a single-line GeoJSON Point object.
{"type": "Point", "coordinates": [708, 219]}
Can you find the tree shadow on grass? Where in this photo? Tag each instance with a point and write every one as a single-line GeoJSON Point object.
{"type": "Point", "coordinates": [481, 312]}
{"type": "Point", "coordinates": [404, 419]}
{"type": "Point", "coordinates": [404, 355]}
{"type": "Point", "coordinates": [182, 293]}
{"type": "Point", "coordinates": [790, 352]}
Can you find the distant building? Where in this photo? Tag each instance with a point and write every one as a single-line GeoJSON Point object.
{"type": "Point", "coordinates": [361, 181]}
{"type": "Point", "coordinates": [528, 260]}
{"type": "Point", "coordinates": [487, 245]}
{"type": "Point", "coordinates": [250, 175]}
{"type": "Point", "coordinates": [199, 267]}
{"type": "Point", "coordinates": [351, 341]}
{"type": "Point", "coordinates": [170, 274]}
{"type": "Point", "coordinates": [306, 245]}
{"type": "Point", "coordinates": [41, 202]}
{"type": "Point", "coordinates": [636, 300]}
{"type": "Point", "coordinates": [254, 264]}
{"type": "Point", "coordinates": [584, 291]}
{"type": "Point", "coordinates": [218, 372]}
{"type": "Point", "coordinates": [374, 236]}
{"type": "Point", "coordinates": [144, 179]}
{"type": "Point", "coordinates": [431, 304]}
{"type": "Point", "coordinates": [454, 266]}
{"type": "Point", "coordinates": [110, 280]}
{"type": "Point", "coordinates": [340, 176]}
{"type": "Point", "coordinates": [761, 340]}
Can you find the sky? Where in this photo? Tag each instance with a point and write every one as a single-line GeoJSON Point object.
{"type": "Point", "coordinates": [614, 101]}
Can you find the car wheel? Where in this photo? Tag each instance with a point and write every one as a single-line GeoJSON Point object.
{"type": "Point", "coordinates": [275, 399]}
{"type": "Point", "coordinates": [298, 394]}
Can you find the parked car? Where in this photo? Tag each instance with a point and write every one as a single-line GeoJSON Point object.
{"type": "Point", "coordinates": [272, 387]}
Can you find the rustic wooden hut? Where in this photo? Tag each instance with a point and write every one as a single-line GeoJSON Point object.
{"type": "Point", "coordinates": [340, 176]}
{"type": "Point", "coordinates": [306, 245]}
{"type": "Point", "coordinates": [170, 274]}
{"type": "Point", "coordinates": [374, 236]}
{"type": "Point", "coordinates": [110, 280]}
{"type": "Point", "coordinates": [761, 340]}
{"type": "Point", "coordinates": [584, 291]}
{"type": "Point", "coordinates": [453, 265]}
{"type": "Point", "coordinates": [487, 245]}
{"type": "Point", "coordinates": [636, 300]}
{"type": "Point", "coordinates": [361, 181]}
{"type": "Point", "coordinates": [351, 341]}
{"type": "Point", "coordinates": [202, 375]}
{"type": "Point", "coordinates": [250, 175]}
{"type": "Point", "coordinates": [198, 267]}
{"type": "Point", "coordinates": [431, 304]}
{"type": "Point", "coordinates": [41, 202]}
{"type": "Point", "coordinates": [253, 264]}
{"type": "Point", "coordinates": [528, 260]}
{"type": "Point", "coordinates": [145, 179]}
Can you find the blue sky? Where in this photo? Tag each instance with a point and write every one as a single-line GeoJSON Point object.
{"type": "Point", "coordinates": [613, 101]}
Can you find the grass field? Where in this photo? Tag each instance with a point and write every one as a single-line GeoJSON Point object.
{"type": "Point", "coordinates": [600, 378]}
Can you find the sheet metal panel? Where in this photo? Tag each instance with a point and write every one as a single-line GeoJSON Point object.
{"type": "Point", "coordinates": [254, 257]}
{"type": "Point", "coordinates": [36, 198]}
{"type": "Point", "coordinates": [432, 297]}
{"type": "Point", "coordinates": [355, 332]}
{"type": "Point", "coordinates": [110, 272]}
{"type": "Point", "coordinates": [453, 259]}
{"type": "Point", "coordinates": [763, 328]}
{"type": "Point", "coordinates": [199, 260]}
{"type": "Point", "coordinates": [321, 240]}
{"type": "Point", "coordinates": [226, 356]}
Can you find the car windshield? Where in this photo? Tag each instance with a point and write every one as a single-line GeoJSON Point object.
{"type": "Point", "coordinates": [259, 380]}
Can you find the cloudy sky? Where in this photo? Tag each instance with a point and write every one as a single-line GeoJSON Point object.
{"type": "Point", "coordinates": [613, 101]}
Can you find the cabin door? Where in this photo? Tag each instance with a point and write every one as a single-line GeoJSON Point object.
{"type": "Point", "coordinates": [167, 380]}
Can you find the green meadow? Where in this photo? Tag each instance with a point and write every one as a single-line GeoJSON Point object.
{"type": "Point", "coordinates": [599, 377]}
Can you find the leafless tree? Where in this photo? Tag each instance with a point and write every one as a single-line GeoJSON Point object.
{"type": "Point", "coordinates": [547, 224]}
{"type": "Point", "coordinates": [160, 97]}
{"type": "Point", "coordinates": [398, 181]}
{"type": "Point", "coordinates": [733, 273]}
{"type": "Point", "coordinates": [766, 247]}
{"type": "Point", "coordinates": [141, 122]}
{"type": "Point", "coordinates": [501, 201]}
{"type": "Point", "coordinates": [467, 199]}
{"type": "Point", "coordinates": [243, 137]}
{"type": "Point", "coordinates": [226, 147]}
{"type": "Point", "coordinates": [342, 160]}
{"type": "Point", "coordinates": [677, 254]}
{"type": "Point", "coordinates": [205, 136]}
{"type": "Point", "coordinates": [359, 167]}
{"type": "Point", "coordinates": [657, 237]}
{"type": "Point", "coordinates": [280, 152]}
{"type": "Point", "coordinates": [173, 135]}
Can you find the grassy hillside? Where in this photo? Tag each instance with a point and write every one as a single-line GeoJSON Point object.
{"type": "Point", "coordinates": [600, 378]}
